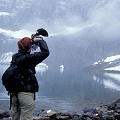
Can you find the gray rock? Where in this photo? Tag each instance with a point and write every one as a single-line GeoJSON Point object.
{"type": "Point", "coordinates": [87, 115]}
{"type": "Point", "coordinates": [63, 118]}
{"type": "Point", "coordinates": [47, 113]}
{"type": "Point", "coordinates": [75, 117]}
{"type": "Point", "coordinates": [114, 105]}
{"type": "Point", "coordinates": [117, 117]}
{"type": "Point", "coordinates": [41, 118]}
{"type": "Point", "coordinates": [10, 118]}
{"type": "Point", "coordinates": [4, 114]}
{"type": "Point", "coordinates": [88, 110]}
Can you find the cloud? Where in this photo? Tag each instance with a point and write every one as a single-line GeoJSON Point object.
{"type": "Point", "coordinates": [108, 17]}
{"type": "Point", "coordinates": [103, 14]}
{"type": "Point", "coordinates": [77, 16]}
{"type": "Point", "coordinates": [16, 34]}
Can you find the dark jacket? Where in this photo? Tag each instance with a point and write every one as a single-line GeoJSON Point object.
{"type": "Point", "coordinates": [27, 65]}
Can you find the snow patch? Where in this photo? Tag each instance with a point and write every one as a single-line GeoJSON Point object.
{"type": "Point", "coordinates": [6, 58]}
{"type": "Point", "coordinates": [116, 68]}
{"type": "Point", "coordinates": [4, 13]}
{"type": "Point", "coordinates": [112, 58]}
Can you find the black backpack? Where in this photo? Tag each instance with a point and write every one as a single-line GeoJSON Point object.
{"type": "Point", "coordinates": [12, 79]}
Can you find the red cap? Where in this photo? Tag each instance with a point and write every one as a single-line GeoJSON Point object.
{"type": "Point", "coordinates": [24, 43]}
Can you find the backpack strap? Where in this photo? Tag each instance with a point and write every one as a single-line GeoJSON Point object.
{"type": "Point", "coordinates": [34, 96]}
{"type": "Point", "coordinates": [14, 62]}
{"type": "Point", "coordinates": [14, 65]}
{"type": "Point", "coordinates": [17, 101]}
{"type": "Point", "coordinates": [11, 95]}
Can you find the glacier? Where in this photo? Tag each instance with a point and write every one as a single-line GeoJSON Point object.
{"type": "Point", "coordinates": [6, 58]}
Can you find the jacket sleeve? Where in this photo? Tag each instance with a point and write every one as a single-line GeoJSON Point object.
{"type": "Point", "coordinates": [43, 54]}
{"type": "Point", "coordinates": [31, 60]}
{"type": "Point", "coordinates": [44, 48]}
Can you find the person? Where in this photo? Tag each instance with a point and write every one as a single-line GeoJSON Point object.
{"type": "Point", "coordinates": [24, 102]}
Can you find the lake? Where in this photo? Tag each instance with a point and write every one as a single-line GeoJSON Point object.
{"type": "Point", "coordinates": [68, 90]}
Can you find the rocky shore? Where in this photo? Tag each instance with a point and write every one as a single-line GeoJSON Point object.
{"type": "Point", "coordinates": [104, 112]}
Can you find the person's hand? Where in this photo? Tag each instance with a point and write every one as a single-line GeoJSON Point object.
{"type": "Point", "coordinates": [32, 35]}
{"type": "Point", "coordinates": [37, 39]}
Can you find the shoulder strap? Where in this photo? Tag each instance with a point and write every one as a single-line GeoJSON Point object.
{"type": "Point", "coordinates": [15, 63]}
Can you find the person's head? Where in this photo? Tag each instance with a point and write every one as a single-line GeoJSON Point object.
{"type": "Point", "coordinates": [25, 43]}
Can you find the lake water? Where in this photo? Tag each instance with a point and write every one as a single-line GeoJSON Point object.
{"type": "Point", "coordinates": [69, 90]}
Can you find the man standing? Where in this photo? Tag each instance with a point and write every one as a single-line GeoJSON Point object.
{"type": "Point", "coordinates": [23, 103]}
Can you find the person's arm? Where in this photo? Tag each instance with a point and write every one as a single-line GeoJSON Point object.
{"type": "Point", "coordinates": [38, 57]}
{"type": "Point", "coordinates": [44, 48]}
{"type": "Point", "coordinates": [31, 60]}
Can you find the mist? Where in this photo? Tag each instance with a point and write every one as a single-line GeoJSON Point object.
{"type": "Point", "coordinates": [78, 15]}
{"type": "Point", "coordinates": [80, 32]}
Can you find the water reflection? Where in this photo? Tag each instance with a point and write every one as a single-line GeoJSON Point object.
{"type": "Point", "coordinates": [109, 80]}
{"type": "Point", "coordinates": [110, 84]}
{"type": "Point", "coordinates": [61, 70]}
{"type": "Point", "coordinates": [70, 91]}
{"type": "Point", "coordinates": [113, 76]}
{"type": "Point", "coordinates": [41, 70]}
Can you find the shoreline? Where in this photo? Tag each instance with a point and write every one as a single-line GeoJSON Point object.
{"type": "Point", "coordinates": [104, 112]}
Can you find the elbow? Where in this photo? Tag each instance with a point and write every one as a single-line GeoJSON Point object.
{"type": "Point", "coordinates": [47, 53]}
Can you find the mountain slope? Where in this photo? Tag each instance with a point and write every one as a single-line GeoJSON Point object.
{"type": "Point", "coordinates": [80, 31]}
{"type": "Point", "coordinates": [110, 64]}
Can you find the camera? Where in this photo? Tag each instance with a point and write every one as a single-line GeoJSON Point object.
{"type": "Point", "coordinates": [42, 32]}
{"type": "Point", "coordinates": [35, 39]}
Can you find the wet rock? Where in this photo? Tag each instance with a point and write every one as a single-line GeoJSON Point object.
{"type": "Point", "coordinates": [41, 118]}
{"type": "Point", "coordinates": [114, 105]}
{"type": "Point", "coordinates": [88, 118]}
{"type": "Point", "coordinates": [99, 113]}
{"type": "Point", "coordinates": [97, 110]}
{"type": "Point", "coordinates": [76, 117]}
{"type": "Point", "coordinates": [88, 110]}
{"type": "Point", "coordinates": [4, 114]}
{"type": "Point", "coordinates": [109, 118]}
{"type": "Point", "coordinates": [117, 106]}
{"type": "Point", "coordinates": [65, 114]}
{"type": "Point", "coordinates": [47, 113]}
{"type": "Point", "coordinates": [117, 117]}
{"type": "Point", "coordinates": [10, 118]}
{"type": "Point", "coordinates": [63, 118]}
{"type": "Point", "coordinates": [87, 115]}
{"type": "Point", "coordinates": [110, 112]}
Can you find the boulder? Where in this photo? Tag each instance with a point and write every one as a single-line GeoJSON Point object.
{"type": "Point", "coordinates": [63, 118]}
{"type": "Point", "coordinates": [114, 105]}
{"type": "Point", "coordinates": [41, 118]}
{"type": "Point", "coordinates": [117, 117]}
{"type": "Point", "coordinates": [47, 113]}
{"type": "Point", "coordinates": [4, 114]}
{"type": "Point", "coordinates": [10, 118]}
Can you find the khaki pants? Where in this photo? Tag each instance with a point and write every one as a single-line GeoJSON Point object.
{"type": "Point", "coordinates": [25, 108]}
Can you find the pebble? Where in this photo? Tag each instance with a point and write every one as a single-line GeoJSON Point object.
{"type": "Point", "coordinates": [110, 112]}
